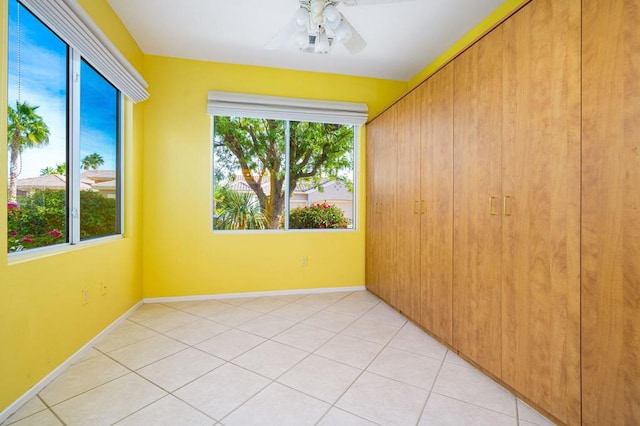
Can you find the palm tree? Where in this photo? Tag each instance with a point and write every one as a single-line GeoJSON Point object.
{"type": "Point", "coordinates": [47, 171]}
{"type": "Point", "coordinates": [61, 169]}
{"type": "Point", "coordinates": [92, 161]}
{"type": "Point", "coordinates": [239, 210]}
{"type": "Point", "coordinates": [25, 129]}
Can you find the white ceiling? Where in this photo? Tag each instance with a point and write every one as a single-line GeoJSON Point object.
{"type": "Point", "coordinates": [402, 38]}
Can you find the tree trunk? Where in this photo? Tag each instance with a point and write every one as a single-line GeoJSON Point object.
{"type": "Point", "coordinates": [277, 208]}
{"type": "Point", "coordinates": [277, 201]}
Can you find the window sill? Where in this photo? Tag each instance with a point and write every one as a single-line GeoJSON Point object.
{"type": "Point", "coordinates": [44, 252]}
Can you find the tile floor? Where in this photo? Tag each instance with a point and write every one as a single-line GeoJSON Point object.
{"type": "Point", "coordinates": [320, 359]}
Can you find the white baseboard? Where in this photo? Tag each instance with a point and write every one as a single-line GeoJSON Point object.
{"type": "Point", "coordinates": [253, 294]}
{"type": "Point", "coordinates": [18, 403]}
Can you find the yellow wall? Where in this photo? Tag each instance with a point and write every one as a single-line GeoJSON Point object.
{"type": "Point", "coordinates": [506, 9]}
{"type": "Point", "coordinates": [42, 321]}
{"type": "Point", "coordinates": [181, 254]}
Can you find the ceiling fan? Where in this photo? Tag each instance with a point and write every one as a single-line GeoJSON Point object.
{"type": "Point", "coordinates": [317, 24]}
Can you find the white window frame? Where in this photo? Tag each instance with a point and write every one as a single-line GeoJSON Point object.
{"type": "Point", "coordinates": [288, 109]}
{"type": "Point", "coordinates": [55, 14]}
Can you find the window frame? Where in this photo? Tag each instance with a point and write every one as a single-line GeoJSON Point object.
{"type": "Point", "coordinates": [355, 173]}
{"type": "Point", "coordinates": [73, 218]}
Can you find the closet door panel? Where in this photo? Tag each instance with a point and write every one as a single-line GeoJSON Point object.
{"type": "Point", "coordinates": [375, 136]}
{"type": "Point", "coordinates": [387, 180]}
{"type": "Point", "coordinates": [477, 189]}
{"type": "Point", "coordinates": [611, 213]}
{"type": "Point", "coordinates": [436, 96]}
{"type": "Point", "coordinates": [408, 206]}
{"type": "Point", "coordinates": [541, 211]}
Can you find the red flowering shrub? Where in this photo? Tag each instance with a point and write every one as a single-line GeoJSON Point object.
{"type": "Point", "coordinates": [318, 216]}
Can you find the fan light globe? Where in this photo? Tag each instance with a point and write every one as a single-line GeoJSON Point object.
{"type": "Point", "coordinates": [302, 18]}
{"type": "Point", "coordinates": [302, 39]}
{"type": "Point", "coordinates": [322, 43]}
{"type": "Point", "coordinates": [331, 14]}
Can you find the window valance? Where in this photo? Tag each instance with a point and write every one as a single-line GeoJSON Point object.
{"type": "Point", "coordinates": [72, 24]}
{"type": "Point", "coordinates": [281, 108]}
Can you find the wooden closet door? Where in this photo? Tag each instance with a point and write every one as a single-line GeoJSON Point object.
{"type": "Point", "coordinates": [436, 97]}
{"type": "Point", "coordinates": [408, 206]}
{"type": "Point", "coordinates": [611, 213]}
{"type": "Point", "coordinates": [381, 169]}
{"type": "Point", "coordinates": [541, 211]}
{"type": "Point", "coordinates": [375, 137]}
{"type": "Point", "coordinates": [477, 225]}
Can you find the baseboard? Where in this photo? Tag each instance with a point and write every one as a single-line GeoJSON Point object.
{"type": "Point", "coordinates": [26, 397]}
{"type": "Point", "coordinates": [253, 294]}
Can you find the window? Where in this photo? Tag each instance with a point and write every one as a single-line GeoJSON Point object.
{"type": "Point", "coordinates": [63, 141]}
{"type": "Point", "coordinates": [99, 155]}
{"type": "Point", "coordinates": [272, 174]}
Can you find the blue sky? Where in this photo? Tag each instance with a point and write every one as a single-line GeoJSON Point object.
{"type": "Point", "coordinates": [43, 82]}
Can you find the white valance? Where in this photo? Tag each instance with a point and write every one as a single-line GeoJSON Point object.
{"type": "Point", "coordinates": [72, 24]}
{"type": "Point", "coordinates": [279, 108]}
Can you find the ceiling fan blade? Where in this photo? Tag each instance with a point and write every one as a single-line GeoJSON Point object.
{"type": "Point", "coordinates": [282, 36]}
{"type": "Point", "coordinates": [355, 43]}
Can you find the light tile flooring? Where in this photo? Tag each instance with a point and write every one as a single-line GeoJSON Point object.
{"type": "Point", "coordinates": [321, 359]}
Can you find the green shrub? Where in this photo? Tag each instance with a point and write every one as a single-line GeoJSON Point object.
{"type": "Point", "coordinates": [237, 210]}
{"type": "Point", "coordinates": [318, 216]}
{"type": "Point", "coordinates": [39, 219]}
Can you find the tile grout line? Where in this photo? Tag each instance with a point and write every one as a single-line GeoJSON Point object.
{"type": "Point", "coordinates": [307, 354]}
{"type": "Point", "coordinates": [272, 381]}
{"type": "Point", "coordinates": [363, 369]}
{"type": "Point", "coordinates": [433, 385]}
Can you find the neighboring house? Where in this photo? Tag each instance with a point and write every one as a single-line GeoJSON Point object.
{"type": "Point", "coordinates": [103, 181]}
{"type": "Point", "coordinates": [308, 194]}
{"type": "Point", "coordinates": [330, 192]}
{"type": "Point", "coordinates": [28, 186]}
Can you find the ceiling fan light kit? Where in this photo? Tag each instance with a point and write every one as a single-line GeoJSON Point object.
{"type": "Point", "coordinates": [317, 23]}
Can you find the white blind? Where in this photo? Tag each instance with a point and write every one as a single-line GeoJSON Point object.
{"type": "Point", "coordinates": [72, 24]}
{"type": "Point", "coordinates": [279, 108]}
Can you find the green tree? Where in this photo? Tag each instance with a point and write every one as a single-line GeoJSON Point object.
{"type": "Point", "coordinates": [47, 171]}
{"type": "Point", "coordinates": [257, 146]}
{"type": "Point", "coordinates": [92, 161]}
{"type": "Point", "coordinates": [237, 210]}
{"type": "Point", "coordinates": [25, 129]}
{"type": "Point", "coordinates": [58, 169]}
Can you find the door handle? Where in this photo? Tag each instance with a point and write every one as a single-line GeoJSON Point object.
{"type": "Point", "coordinates": [422, 206]}
{"type": "Point", "coordinates": [415, 207]}
{"type": "Point", "coordinates": [505, 205]}
{"type": "Point", "coordinates": [491, 212]}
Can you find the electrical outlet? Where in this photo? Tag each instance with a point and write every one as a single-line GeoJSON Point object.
{"type": "Point", "coordinates": [305, 261]}
{"type": "Point", "coordinates": [85, 296]}
{"type": "Point", "coordinates": [103, 289]}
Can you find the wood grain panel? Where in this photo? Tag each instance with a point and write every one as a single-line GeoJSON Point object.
{"type": "Point", "coordinates": [611, 213]}
{"type": "Point", "coordinates": [381, 247]}
{"type": "Point", "coordinates": [375, 136]}
{"type": "Point", "coordinates": [541, 225]}
{"type": "Point", "coordinates": [408, 206]}
{"type": "Point", "coordinates": [436, 96]}
{"type": "Point", "coordinates": [477, 176]}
